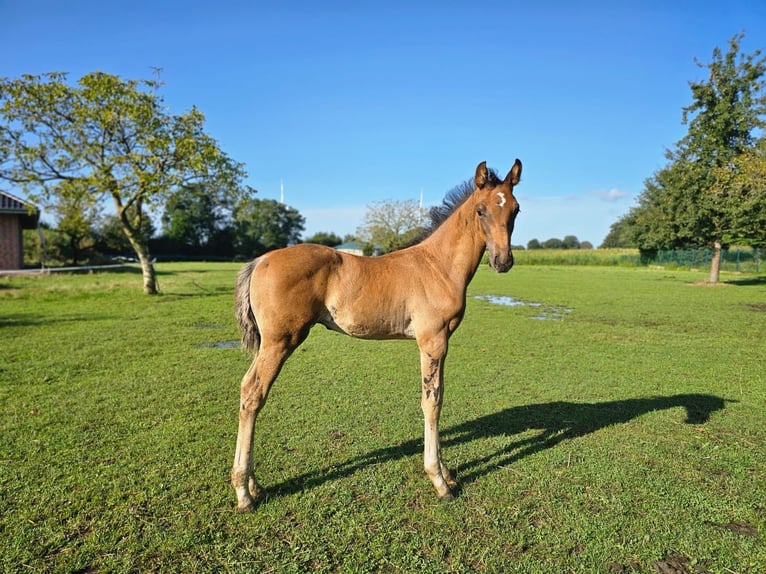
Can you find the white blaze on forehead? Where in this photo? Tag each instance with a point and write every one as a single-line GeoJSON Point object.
{"type": "Point", "coordinates": [501, 195]}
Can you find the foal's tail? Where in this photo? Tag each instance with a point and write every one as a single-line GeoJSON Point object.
{"type": "Point", "coordinates": [251, 337]}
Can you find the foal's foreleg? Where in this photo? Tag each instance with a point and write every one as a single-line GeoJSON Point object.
{"type": "Point", "coordinates": [432, 356]}
{"type": "Point", "coordinates": [253, 392]}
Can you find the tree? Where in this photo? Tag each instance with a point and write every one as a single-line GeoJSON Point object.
{"type": "Point", "coordinates": [570, 242]}
{"type": "Point", "coordinates": [689, 203]}
{"type": "Point", "coordinates": [75, 220]}
{"type": "Point", "coordinates": [392, 224]}
{"type": "Point", "coordinates": [191, 216]}
{"type": "Point", "coordinates": [106, 137]}
{"type": "Point", "coordinates": [111, 239]}
{"type": "Point", "coordinates": [553, 243]}
{"type": "Point", "coordinates": [325, 238]}
{"type": "Point", "coordinates": [622, 233]}
{"type": "Point", "coordinates": [744, 180]}
{"type": "Point", "coordinates": [264, 224]}
{"type": "Point", "coordinates": [534, 244]}
{"type": "Point", "coordinates": [199, 218]}
{"type": "Point", "coordinates": [43, 246]}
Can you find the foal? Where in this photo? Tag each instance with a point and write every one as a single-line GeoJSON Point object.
{"type": "Point", "coordinates": [416, 293]}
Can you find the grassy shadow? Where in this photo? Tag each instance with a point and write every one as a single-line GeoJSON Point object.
{"type": "Point", "coordinates": [748, 281]}
{"type": "Point", "coordinates": [558, 421]}
{"type": "Point", "coordinates": [35, 319]}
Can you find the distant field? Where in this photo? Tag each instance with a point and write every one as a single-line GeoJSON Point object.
{"type": "Point", "coordinates": [734, 259]}
{"type": "Point", "coordinates": [618, 426]}
{"type": "Point", "coordinates": [609, 257]}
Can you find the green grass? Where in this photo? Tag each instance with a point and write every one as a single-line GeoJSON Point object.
{"type": "Point", "coordinates": [629, 432]}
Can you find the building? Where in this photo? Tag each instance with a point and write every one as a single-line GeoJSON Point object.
{"type": "Point", "coordinates": [15, 215]}
{"type": "Point", "coordinates": [356, 248]}
{"type": "Point", "coordinates": [351, 247]}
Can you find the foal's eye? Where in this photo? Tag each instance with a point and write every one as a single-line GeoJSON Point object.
{"type": "Point", "coordinates": [481, 209]}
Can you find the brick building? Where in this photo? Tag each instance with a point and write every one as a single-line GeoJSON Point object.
{"type": "Point", "coordinates": [15, 215]}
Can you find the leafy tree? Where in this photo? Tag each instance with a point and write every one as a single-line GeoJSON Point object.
{"type": "Point", "coordinates": [622, 233]}
{"type": "Point", "coordinates": [534, 244]}
{"type": "Point", "coordinates": [199, 219]}
{"type": "Point", "coordinates": [392, 224]}
{"type": "Point", "coordinates": [689, 202]}
{"type": "Point", "coordinates": [111, 239]}
{"type": "Point", "coordinates": [106, 137]}
{"type": "Point", "coordinates": [553, 243]}
{"type": "Point", "coordinates": [570, 242]}
{"type": "Point", "coordinates": [75, 220]}
{"type": "Point", "coordinates": [264, 224]}
{"type": "Point", "coordinates": [325, 238]}
{"type": "Point", "coordinates": [191, 216]}
{"type": "Point", "coordinates": [43, 246]}
{"type": "Point", "coordinates": [744, 180]}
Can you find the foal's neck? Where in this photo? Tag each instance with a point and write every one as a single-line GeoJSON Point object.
{"type": "Point", "coordinates": [458, 244]}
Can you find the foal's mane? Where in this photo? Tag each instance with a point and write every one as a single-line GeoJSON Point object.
{"type": "Point", "coordinates": [453, 199]}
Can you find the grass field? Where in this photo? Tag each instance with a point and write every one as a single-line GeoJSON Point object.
{"type": "Point", "coordinates": [733, 259]}
{"type": "Point", "coordinates": [625, 434]}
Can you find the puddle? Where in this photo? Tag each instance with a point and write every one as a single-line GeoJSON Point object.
{"type": "Point", "coordinates": [502, 300]}
{"type": "Point", "coordinates": [221, 345]}
{"type": "Point", "coordinates": [547, 312]}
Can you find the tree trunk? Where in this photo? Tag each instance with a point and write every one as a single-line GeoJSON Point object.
{"type": "Point", "coordinates": [73, 248]}
{"type": "Point", "coordinates": [150, 277]}
{"type": "Point", "coordinates": [147, 267]}
{"type": "Point", "coordinates": [715, 263]}
{"type": "Point", "coordinates": [141, 249]}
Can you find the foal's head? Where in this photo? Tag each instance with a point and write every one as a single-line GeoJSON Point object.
{"type": "Point", "coordinates": [497, 208]}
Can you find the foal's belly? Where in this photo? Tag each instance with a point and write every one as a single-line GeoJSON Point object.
{"type": "Point", "coordinates": [376, 327]}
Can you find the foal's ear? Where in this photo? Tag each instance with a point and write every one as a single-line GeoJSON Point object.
{"type": "Point", "coordinates": [514, 176]}
{"type": "Point", "coordinates": [481, 177]}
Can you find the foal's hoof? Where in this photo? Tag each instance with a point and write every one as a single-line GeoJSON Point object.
{"type": "Point", "coordinates": [248, 506]}
{"type": "Point", "coordinates": [257, 492]}
{"type": "Point", "coordinates": [446, 497]}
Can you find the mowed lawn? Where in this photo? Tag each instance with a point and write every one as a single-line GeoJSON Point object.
{"type": "Point", "coordinates": [618, 427]}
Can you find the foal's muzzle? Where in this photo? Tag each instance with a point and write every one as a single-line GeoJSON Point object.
{"type": "Point", "coordinates": [501, 264]}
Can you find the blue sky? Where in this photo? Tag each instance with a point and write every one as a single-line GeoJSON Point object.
{"type": "Point", "coordinates": [350, 103]}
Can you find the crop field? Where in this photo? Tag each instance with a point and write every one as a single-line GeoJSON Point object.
{"type": "Point", "coordinates": [598, 419]}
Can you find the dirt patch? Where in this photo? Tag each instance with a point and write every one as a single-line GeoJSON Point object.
{"type": "Point", "coordinates": [709, 284]}
{"type": "Point", "coordinates": [757, 307]}
{"type": "Point", "coordinates": [617, 568]}
{"type": "Point", "coordinates": [740, 528]}
{"type": "Point", "coordinates": [678, 564]}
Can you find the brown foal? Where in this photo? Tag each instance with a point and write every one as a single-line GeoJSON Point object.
{"type": "Point", "coordinates": [416, 293]}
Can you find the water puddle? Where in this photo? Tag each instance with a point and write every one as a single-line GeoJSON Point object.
{"type": "Point", "coordinates": [215, 344]}
{"type": "Point", "coordinates": [221, 345]}
{"type": "Point", "coordinates": [546, 312]}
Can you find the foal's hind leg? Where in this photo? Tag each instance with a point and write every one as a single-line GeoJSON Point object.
{"type": "Point", "coordinates": [253, 392]}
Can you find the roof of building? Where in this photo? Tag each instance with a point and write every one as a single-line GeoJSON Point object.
{"type": "Point", "coordinates": [27, 212]}
{"type": "Point", "coordinates": [350, 245]}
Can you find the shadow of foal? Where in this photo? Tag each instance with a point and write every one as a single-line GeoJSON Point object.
{"type": "Point", "coordinates": [558, 421]}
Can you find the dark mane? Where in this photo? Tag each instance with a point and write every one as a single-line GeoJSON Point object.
{"type": "Point", "coordinates": [453, 199]}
